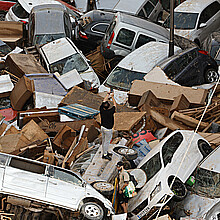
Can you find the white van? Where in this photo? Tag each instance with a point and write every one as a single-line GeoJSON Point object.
{"type": "Point", "coordinates": [126, 33]}
{"type": "Point", "coordinates": [63, 57]}
{"type": "Point", "coordinates": [135, 66]}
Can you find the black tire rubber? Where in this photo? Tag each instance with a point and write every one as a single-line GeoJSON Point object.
{"type": "Point", "coordinates": [104, 188]}
{"type": "Point", "coordinates": [179, 189]}
{"type": "Point", "coordinates": [92, 211]}
{"type": "Point", "coordinates": [128, 153]}
{"type": "Point", "coordinates": [211, 75]}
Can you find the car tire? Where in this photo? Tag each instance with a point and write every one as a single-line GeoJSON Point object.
{"type": "Point", "coordinates": [211, 75]}
{"type": "Point", "coordinates": [179, 189]}
{"type": "Point", "coordinates": [128, 153]}
{"type": "Point", "coordinates": [92, 211]}
{"type": "Point", "coordinates": [104, 188]}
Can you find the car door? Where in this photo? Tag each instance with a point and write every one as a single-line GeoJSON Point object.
{"type": "Point", "coordinates": [26, 178]}
{"type": "Point", "coordinates": [3, 161]}
{"type": "Point", "coordinates": [210, 16]}
{"type": "Point", "coordinates": [64, 188]}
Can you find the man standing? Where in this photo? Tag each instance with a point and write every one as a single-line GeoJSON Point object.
{"type": "Point", "coordinates": [123, 182]}
{"type": "Point", "coordinates": [107, 123]}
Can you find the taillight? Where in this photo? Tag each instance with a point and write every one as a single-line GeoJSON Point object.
{"type": "Point", "coordinates": [83, 35]}
{"type": "Point", "coordinates": [203, 52]}
{"type": "Point", "coordinates": [25, 22]}
{"type": "Point", "coordinates": [110, 40]}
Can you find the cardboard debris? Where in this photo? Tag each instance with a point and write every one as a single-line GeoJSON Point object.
{"type": "Point", "coordinates": [165, 92]}
{"type": "Point", "coordinates": [22, 91]}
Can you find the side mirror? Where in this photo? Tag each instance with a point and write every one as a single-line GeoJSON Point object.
{"type": "Point", "coordinates": [84, 184]}
{"type": "Point", "coordinates": [202, 25]}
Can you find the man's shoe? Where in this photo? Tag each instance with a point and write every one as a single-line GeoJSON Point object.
{"type": "Point", "coordinates": [106, 157]}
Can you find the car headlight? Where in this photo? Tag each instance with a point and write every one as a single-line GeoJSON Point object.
{"type": "Point", "coordinates": [156, 190]}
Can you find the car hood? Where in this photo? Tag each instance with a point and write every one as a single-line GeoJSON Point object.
{"type": "Point", "coordinates": [197, 206]}
{"type": "Point", "coordinates": [184, 33]}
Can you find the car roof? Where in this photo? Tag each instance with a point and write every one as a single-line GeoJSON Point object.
{"type": "Point", "coordinates": [29, 4]}
{"type": "Point", "coordinates": [53, 14]}
{"type": "Point", "coordinates": [58, 49]}
{"type": "Point", "coordinates": [211, 162]}
{"type": "Point", "coordinates": [129, 6]}
{"type": "Point", "coordinates": [170, 59]}
{"type": "Point", "coordinates": [143, 24]}
{"type": "Point", "coordinates": [144, 58]}
{"type": "Point", "coordinates": [193, 6]}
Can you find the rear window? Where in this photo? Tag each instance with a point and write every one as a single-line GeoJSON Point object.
{"type": "Point", "coordinates": [125, 36]}
{"type": "Point", "coordinates": [101, 28]}
{"type": "Point", "coordinates": [19, 11]}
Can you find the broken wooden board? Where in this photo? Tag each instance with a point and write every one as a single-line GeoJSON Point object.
{"type": "Point", "coordinates": [89, 99]}
{"type": "Point", "coordinates": [166, 122]}
{"type": "Point", "coordinates": [180, 102]}
{"type": "Point", "coordinates": [33, 132]}
{"type": "Point", "coordinates": [12, 130]}
{"type": "Point", "coordinates": [166, 92]}
{"type": "Point", "coordinates": [212, 138]}
{"type": "Point", "coordinates": [3, 126]}
{"type": "Point", "coordinates": [187, 120]}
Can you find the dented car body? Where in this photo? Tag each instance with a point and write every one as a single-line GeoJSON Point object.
{"type": "Point", "coordinates": [50, 185]}
{"type": "Point", "coordinates": [161, 166]}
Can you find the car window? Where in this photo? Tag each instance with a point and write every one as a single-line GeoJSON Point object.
{"type": "Point", "coordinates": [209, 12]}
{"type": "Point", "coordinates": [143, 39]}
{"type": "Point", "coordinates": [125, 36]}
{"type": "Point", "coordinates": [152, 166]}
{"type": "Point", "coordinates": [170, 147]}
{"type": "Point", "coordinates": [29, 166]}
{"type": "Point", "coordinates": [141, 14]}
{"type": "Point", "coordinates": [66, 176]}
{"type": "Point", "coordinates": [204, 148]}
{"type": "Point", "coordinates": [3, 159]}
{"type": "Point", "coordinates": [19, 11]}
{"type": "Point", "coordinates": [101, 28]}
{"type": "Point", "coordinates": [154, 1]}
{"type": "Point", "coordinates": [171, 69]}
{"type": "Point", "coordinates": [148, 7]}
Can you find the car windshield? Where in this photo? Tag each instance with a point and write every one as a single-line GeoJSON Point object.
{"type": "Point", "coordinates": [46, 38]}
{"type": "Point", "coordinates": [122, 78]}
{"type": "Point", "coordinates": [182, 20]}
{"type": "Point", "coordinates": [207, 182]}
{"type": "Point", "coordinates": [75, 61]}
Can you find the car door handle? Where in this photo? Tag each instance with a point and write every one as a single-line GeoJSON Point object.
{"type": "Point", "coordinates": [41, 180]}
{"type": "Point", "coordinates": [53, 183]}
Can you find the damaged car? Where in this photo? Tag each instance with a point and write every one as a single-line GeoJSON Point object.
{"type": "Point", "coordinates": [45, 186]}
{"type": "Point", "coordinates": [203, 199]}
{"type": "Point", "coordinates": [63, 57]}
{"type": "Point", "coordinates": [161, 166]}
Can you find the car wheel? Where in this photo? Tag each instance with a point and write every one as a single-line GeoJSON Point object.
{"type": "Point", "coordinates": [179, 189]}
{"type": "Point", "coordinates": [211, 75]}
{"type": "Point", "coordinates": [128, 153]}
{"type": "Point", "coordinates": [92, 211]}
{"type": "Point", "coordinates": [104, 188]}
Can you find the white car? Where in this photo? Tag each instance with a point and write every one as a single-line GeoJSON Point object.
{"type": "Point", "coordinates": [63, 56]}
{"type": "Point", "coordinates": [135, 66]}
{"type": "Point", "coordinates": [195, 19]}
{"type": "Point", "coordinates": [161, 165]}
{"type": "Point", "coordinates": [51, 188]}
{"type": "Point", "coordinates": [203, 202]}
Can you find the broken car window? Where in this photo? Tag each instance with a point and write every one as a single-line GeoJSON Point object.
{"type": "Point", "coordinates": [170, 147]}
{"type": "Point", "coordinates": [122, 78]}
{"type": "Point", "coordinates": [66, 176]}
{"type": "Point", "coordinates": [67, 64]}
{"type": "Point", "coordinates": [207, 182]}
{"type": "Point", "coordinates": [152, 166]}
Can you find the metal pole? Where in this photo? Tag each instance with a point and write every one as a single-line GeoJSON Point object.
{"type": "Point", "coordinates": [171, 42]}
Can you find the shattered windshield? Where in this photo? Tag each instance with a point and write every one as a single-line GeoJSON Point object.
{"type": "Point", "coordinates": [46, 38]}
{"type": "Point", "coordinates": [122, 78]}
{"type": "Point", "coordinates": [75, 61]}
{"type": "Point", "coordinates": [207, 182]}
{"type": "Point", "coordinates": [183, 20]}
